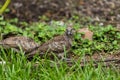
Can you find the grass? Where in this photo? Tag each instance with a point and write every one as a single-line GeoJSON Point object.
{"type": "Point", "coordinates": [17, 67]}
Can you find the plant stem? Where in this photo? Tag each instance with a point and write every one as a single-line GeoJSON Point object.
{"type": "Point", "coordinates": [4, 6]}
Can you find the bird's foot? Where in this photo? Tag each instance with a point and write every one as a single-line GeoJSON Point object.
{"type": "Point", "coordinates": [63, 57]}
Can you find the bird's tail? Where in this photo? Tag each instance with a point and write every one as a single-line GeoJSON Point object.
{"type": "Point", "coordinates": [1, 43]}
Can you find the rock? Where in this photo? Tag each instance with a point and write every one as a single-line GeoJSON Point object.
{"type": "Point", "coordinates": [87, 33]}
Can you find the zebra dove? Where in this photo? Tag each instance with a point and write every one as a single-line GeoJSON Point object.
{"type": "Point", "coordinates": [17, 42]}
{"type": "Point", "coordinates": [56, 45]}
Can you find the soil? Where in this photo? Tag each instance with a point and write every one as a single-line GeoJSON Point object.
{"type": "Point", "coordinates": [107, 60]}
{"type": "Point", "coordinates": [102, 12]}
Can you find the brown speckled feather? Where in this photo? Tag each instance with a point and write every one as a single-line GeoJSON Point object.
{"type": "Point", "coordinates": [55, 45]}
{"type": "Point", "coordinates": [27, 44]}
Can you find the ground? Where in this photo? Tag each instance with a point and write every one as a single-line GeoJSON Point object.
{"type": "Point", "coordinates": [103, 12]}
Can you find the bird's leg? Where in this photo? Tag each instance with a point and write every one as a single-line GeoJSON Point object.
{"type": "Point", "coordinates": [63, 57]}
{"type": "Point", "coordinates": [16, 50]}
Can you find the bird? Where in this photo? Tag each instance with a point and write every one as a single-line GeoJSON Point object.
{"type": "Point", "coordinates": [18, 43]}
{"type": "Point", "coordinates": [57, 44]}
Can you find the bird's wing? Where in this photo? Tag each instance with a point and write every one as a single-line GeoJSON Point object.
{"type": "Point", "coordinates": [56, 44]}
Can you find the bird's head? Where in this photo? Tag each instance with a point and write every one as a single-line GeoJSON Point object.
{"type": "Point", "coordinates": [70, 31]}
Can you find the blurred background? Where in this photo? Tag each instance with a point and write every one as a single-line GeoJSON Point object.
{"type": "Point", "coordinates": [102, 12]}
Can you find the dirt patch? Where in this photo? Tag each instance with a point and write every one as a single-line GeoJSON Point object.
{"type": "Point", "coordinates": [106, 60]}
{"type": "Point", "coordinates": [100, 12]}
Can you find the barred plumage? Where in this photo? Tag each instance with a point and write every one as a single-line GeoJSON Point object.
{"type": "Point", "coordinates": [56, 45]}
{"type": "Point", "coordinates": [17, 42]}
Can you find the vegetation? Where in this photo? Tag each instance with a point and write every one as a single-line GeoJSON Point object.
{"type": "Point", "coordinates": [4, 6]}
{"type": "Point", "coordinates": [105, 39]}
